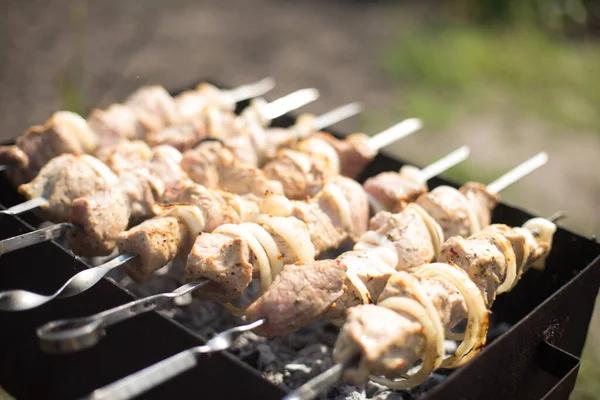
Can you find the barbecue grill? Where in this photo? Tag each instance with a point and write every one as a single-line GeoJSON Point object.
{"type": "Point", "coordinates": [547, 316]}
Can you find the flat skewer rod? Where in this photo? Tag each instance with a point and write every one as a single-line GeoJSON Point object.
{"type": "Point", "coordinates": [289, 102]}
{"type": "Point", "coordinates": [336, 115]}
{"type": "Point", "coordinates": [251, 90]}
{"type": "Point", "coordinates": [25, 206]}
{"type": "Point", "coordinates": [3, 167]}
{"type": "Point", "coordinates": [518, 172]}
{"type": "Point", "coordinates": [396, 132]}
{"type": "Point", "coordinates": [31, 238]}
{"type": "Point", "coordinates": [140, 382]}
{"type": "Point", "coordinates": [322, 382]}
{"type": "Point", "coordinates": [445, 163]}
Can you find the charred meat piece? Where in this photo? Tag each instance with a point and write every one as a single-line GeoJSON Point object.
{"type": "Point", "coordinates": [225, 261]}
{"type": "Point", "coordinates": [298, 295]}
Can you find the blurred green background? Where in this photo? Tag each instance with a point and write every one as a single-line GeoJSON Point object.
{"type": "Point", "coordinates": [507, 77]}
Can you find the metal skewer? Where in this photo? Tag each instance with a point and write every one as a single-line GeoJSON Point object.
{"type": "Point", "coordinates": [57, 230]}
{"type": "Point", "coordinates": [20, 300]}
{"type": "Point", "coordinates": [74, 334]}
{"type": "Point", "coordinates": [518, 172]}
{"type": "Point", "coordinates": [251, 90]}
{"type": "Point", "coordinates": [336, 115]}
{"type": "Point", "coordinates": [434, 169]}
{"type": "Point", "coordinates": [154, 375]}
{"type": "Point", "coordinates": [289, 102]}
{"type": "Point", "coordinates": [395, 133]}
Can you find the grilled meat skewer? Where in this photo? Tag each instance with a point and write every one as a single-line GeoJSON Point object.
{"type": "Point", "coordinates": [148, 108]}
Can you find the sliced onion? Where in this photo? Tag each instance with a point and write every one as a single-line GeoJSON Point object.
{"type": "Point", "coordinates": [171, 152]}
{"type": "Point", "coordinates": [435, 230]}
{"type": "Point", "coordinates": [156, 184]}
{"type": "Point", "coordinates": [509, 254]}
{"type": "Point", "coordinates": [379, 243]}
{"type": "Point", "coordinates": [338, 195]}
{"type": "Point", "coordinates": [101, 169]}
{"type": "Point", "coordinates": [301, 160]}
{"type": "Point", "coordinates": [543, 231]}
{"type": "Point", "coordinates": [268, 243]}
{"type": "Point", "coordinates": [256, 248]}
{"type": "Point", "coordinates": [314, 145]}
{"type": "Point", "coordinates": [276, 205]}
{"type": "Point", "coordinates": [477, 314]}
{"type": "Point", "coordinates": [79, 128]}
{"type": "Point", "coordinates": [190, 215]}
{"type": "Point", "coordinates": [299, 241]}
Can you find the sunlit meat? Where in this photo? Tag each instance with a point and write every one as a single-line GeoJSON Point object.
{"type": "Point", "coordinates": [395, 190]}
{"type": "Point", "coordinates": [64, 179]}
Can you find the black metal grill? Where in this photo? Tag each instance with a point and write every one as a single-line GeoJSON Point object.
{"type": "Point", "coordinates": [538, 357]}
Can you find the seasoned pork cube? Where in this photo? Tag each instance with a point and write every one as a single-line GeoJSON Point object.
{"type": "Point", "coordinates": [451, 209]}
{"type": "Point", "coordinates": [202, 163]}
{"type": "Point", "coordinates": [359, 205]}
{"type": "Point", "coordinates": [394, 191]}
{"type": "Point", "coordinates": [353, 151]}
{"type": "Point", "coordinates": [115, 123]}
{"type": "Point", "coordinates": [243, 179]}
{"type": "Point", "coordinates": [125, 155]}
{"type": "Point", "coordinates": [181, 136]}
{"type": "Point", "coordinates": [64, 179]}
{"type": "Point", "coordinates": [224, 261]}
{"type": "Point", "coordinates": [324, 234]}
{"type": "Point", "coordinates": [154, 107]}
{"type": "Point", "coordinates": [166, 165]}
{"type": "Point", "coordinates": [99, 219]}
{"type": "Point", "coordinates": [387, 342]}
{"type": "Point", "coordinates": [156, 241]}
{"type": "Point", "coordinates": [298, 295]}
{"type": "Point", "coordinates": [297, 174]}
{"type": "Point", "coordinates": [482, 201]}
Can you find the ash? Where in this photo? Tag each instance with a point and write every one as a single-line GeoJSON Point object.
{"type": "Point", "coordinates": [288, 361]}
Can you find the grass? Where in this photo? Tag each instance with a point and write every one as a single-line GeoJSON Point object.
{"type": "Point", "coordinates": [451, 70]}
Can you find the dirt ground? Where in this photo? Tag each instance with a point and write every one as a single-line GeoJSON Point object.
{"type": "Point", "coordinates": [334, 46]}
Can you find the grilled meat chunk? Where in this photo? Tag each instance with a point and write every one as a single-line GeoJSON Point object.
{"type": "Point", "coordinates": [387, 341]}
{"type": "Point", "coordinates": [324, 233]}
{"type": "Point", "coordinates": [298, 295]}
{"type": "Point", "coordinates": [451, 209]}
{"type": "Point", "coordinates": [99, 218]}
{"type": "Point", "coordinates": [181, 136]}
{"type": "Point", "coordinates": [64, 132]}
{"type": "Point", "coordinates": [482, 201]}
{"type": "Point", "coordinates": [64, 179]}
{"type": "Point", "coordinates": [353, 151]}
{"type": "Point", "coordinates": [202, 163]}
{"type": "Point", "coordinates": [114, 124]}
{"type": "Point", "coordinates": [13, 156]}
{"type": "Point", "coordinates": [359, 205]}
{"type": "Point", "coordinates": [216, 206]}
{"type": "Point", "coordinates": [246, 179]}
{"type": "Point", "coordinates": [156, 241]}
{"type": "Point", "coordinates": [154, 107]}
{"type": "Point", "coordinates": [296, 172]}
{"type": "Point", "coordinates": [125, 155]}
{"type": "Point", "coordinates": [222, 259]}
{"type": "Point", "coordinates": [393, 190]}
{"type": "Point", "coordinates": [166, 165]}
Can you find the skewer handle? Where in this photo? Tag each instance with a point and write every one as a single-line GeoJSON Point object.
{"type": "Point", "coordinates": [31, 238]}
{"type": "Point", "coordinates": [445, 163]}
{"type": "Point", "coordinates": [336, 115]}
{"type": "Point", "coordinates": [3, 167]}
{"type": "Point", "coordinates": [518, 172]}
{"type": "Point", "coordinates": [251, 90]}
{"type": "Point", "coordinates": [25, 206]}
{"type": "Point", "coordinates": [290, 102]}
{"type": "Point", "coordinates": [140, 382]}
{"type": "Point", "coordinates": [395, 133]}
